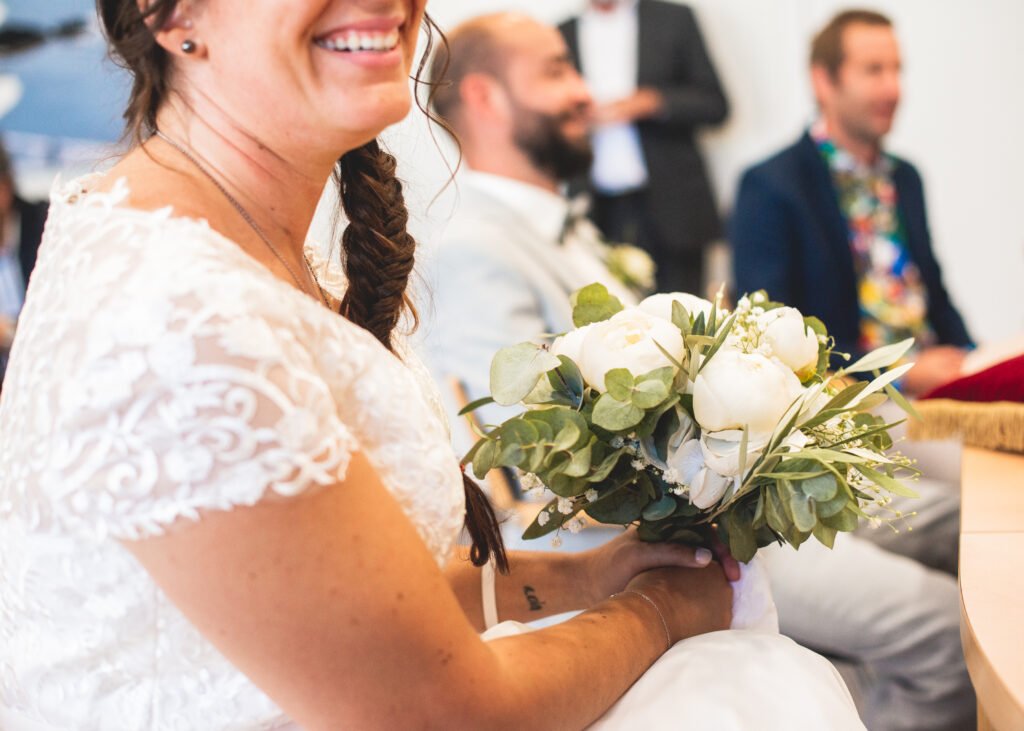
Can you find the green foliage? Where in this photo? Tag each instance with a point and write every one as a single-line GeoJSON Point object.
{"type": "Point", "coordinates": [593, 304]}
{"type": "Point", "coordinates": [602, 452]}
{"type": "Point", "coordinates": [516, 369]}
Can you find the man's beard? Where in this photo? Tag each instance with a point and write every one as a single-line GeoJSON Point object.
{"type": "Point", "coordinates": [540, 137]}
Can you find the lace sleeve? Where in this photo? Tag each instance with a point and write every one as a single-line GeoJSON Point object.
{"type": "Point", "coordinates": [210, 413]}
{"type": "Point", "coordinates": [160, 373]}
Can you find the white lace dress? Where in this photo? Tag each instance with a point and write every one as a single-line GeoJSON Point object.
{"type": "Point", "coordinates": [160, 372]}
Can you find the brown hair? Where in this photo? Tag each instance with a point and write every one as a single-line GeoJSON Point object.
{"type": "Point", "coordinates": [378, 252]}
{"type": "Point", "coordinates": [827, 46]}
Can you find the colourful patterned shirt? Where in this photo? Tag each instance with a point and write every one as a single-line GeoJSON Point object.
{"type": "Point", "coordinates": [892, 297]}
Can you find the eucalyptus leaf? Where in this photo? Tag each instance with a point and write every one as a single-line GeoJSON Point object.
{"type": "Point", "coordinates": [565, 485]}
{"type": "Point", "coordinates": [776, 513]}
{"type": "Point", "coordinates": [665, 375]}
{"type": "Point", "coordinates": [593, 304]}
{"type": "Point", "coordinates": [619, 507]}
{"type": "Point", "coordinates": [619, 383]}
{"type": "Point", "coordinates": [660, 509]}
{"type": "Point", "coordinates": [485, 458]}
{"type": "Point", "coordinates": [686, 537]}
{"type": "Point", "coordinates": [828, 508]}
{"type": "Point", "coordinates": [742, 543]}
{"type": "Point", "coordinates": [604, 469]}
{"type": "Point", "coordinates": [845, 520]}
{"type": "Point", "coordinates": [512, 455]}
{"type": "Point", "coordinates": [616, 416]}
{"type": "Point", "coordinates": [652, 420]}
{"type": "Point", "coordinates": [795, 537]}
{"type": "Point", "coordinates": [822, 488]}
{"type": "Point", "coordinates": [566, 438]}
{"type": "Point", "coordinates": [649, 394]}
{"type": "Point", "coordinates": [580, 464]}
{"type": "Point", "coordinates": [567, 380]}
{"type": "Point", "coordinates": [519, 431]}
{"type": "Point", "coordinates": [825, 535]}
{"type": "Point", "coordinates": [472, 451]}
{"type": "Point", "coordinates": [516, 369]}
{"type": "Point", "coordinates": [802, 508]}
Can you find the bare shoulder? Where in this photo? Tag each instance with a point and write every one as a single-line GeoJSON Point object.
{"type": "Point", "coordinates": [155, 180]}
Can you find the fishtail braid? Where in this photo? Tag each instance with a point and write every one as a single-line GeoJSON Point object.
{"type": "Point", "coordinates": [379, 256]}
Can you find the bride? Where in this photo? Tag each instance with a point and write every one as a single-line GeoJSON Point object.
{"type": "Point", "coordinates": [224, 505]}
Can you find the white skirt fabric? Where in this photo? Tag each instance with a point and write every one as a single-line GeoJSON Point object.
{"type": "Point", "coordinates": [734, 680]}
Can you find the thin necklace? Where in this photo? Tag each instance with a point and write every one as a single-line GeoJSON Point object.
{"type": "Point", "coordinates": [248, 219]}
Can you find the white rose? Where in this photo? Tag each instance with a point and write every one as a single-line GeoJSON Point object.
{"type": "Point", "coordinates": [660, 305]}
{"type": "Point", "coordinates": [737, 389]}
{"type": "Point", "coordinates": [627, 340]}
{"type": "Point", "coordinates": [721, 450]}
{"type": "Point", "coordinates": [571, 343]}
{"type": "Point", "coordinates": [791, 341]}
{"type": "Point", "coordinates": [707, 488]}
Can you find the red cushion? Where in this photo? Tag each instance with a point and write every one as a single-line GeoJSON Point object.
{"type": "Point", "coordinates": [1001, 382]}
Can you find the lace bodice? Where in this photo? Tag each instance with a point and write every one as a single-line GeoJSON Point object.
{"type": "Point", "coordinates": [160, 372]}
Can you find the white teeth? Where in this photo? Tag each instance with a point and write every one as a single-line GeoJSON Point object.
{"type": "Point", "coordinates": [354, 41]}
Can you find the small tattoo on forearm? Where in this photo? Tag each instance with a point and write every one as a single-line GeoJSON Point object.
{"type": "Point", "coordinates": [531, 597]}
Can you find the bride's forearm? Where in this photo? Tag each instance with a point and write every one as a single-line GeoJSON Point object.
{"type": "Point", "coordinates": [540, 584]}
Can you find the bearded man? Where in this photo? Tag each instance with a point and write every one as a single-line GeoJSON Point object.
{"type": "Point", "coordinates": [515, 248]}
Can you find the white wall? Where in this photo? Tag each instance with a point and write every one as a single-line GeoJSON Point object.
{"type": "Point", "coordinates": [960, 122]}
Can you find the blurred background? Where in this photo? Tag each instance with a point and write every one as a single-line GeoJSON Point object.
{"type": "Point", "coordinates": [959, 122]}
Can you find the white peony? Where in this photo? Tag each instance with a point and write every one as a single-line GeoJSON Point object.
{"type": "Point", "coordinates": [790, 340]}
{"type": "Point", "coordinates": [660, 305]}
{"type": "Point", "coordinates": [707, 488]}
{"type": "Point", "coordinates": [737, 389]}
{"type": "Point", "coordinates": [721, 450]}
{"type": "Point", "coordinates": [627, 340]}
{"type": "Point", "coordinates": [571, 344]}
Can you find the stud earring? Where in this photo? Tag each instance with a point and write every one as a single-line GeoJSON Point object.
{"type": "Point", "coordinates": [188, 46]}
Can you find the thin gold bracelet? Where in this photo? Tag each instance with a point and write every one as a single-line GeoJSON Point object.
{"type": "Point", "coordinates": [650, 601]}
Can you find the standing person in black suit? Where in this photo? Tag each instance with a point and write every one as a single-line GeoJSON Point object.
{"type": "Point", "coordinates": [21, 228]}
{"type": "Point", "coordinates": [654, 84]}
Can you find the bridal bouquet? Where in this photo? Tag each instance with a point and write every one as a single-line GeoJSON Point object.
{"type": "Point", "coordinates": [683, 418]}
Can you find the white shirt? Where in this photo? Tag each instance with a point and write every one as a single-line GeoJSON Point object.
{"type": "Point", "coordinates": [581, 250]}
{"type": "Point", "coordinates": [609, 44]}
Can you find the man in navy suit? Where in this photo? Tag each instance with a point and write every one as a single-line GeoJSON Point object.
{"type": "Point", "coordinates": [21, 228]}
{"type": "Point", "coordinates": [649, 72]}
{"type": "Point", "coordinates": [836, 227]}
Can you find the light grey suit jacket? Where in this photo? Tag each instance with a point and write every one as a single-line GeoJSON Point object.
{"type": "Point", "coordinates": [496, 278]}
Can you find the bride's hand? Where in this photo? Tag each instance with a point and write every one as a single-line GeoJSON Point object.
{"type": "Point", "coordinates": [608, 568]}
{"type": "Point", "coordinates": [691, 601]}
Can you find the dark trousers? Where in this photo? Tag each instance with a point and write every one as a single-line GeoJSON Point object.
{"type": "Point", "coordinates": [624, 219]}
